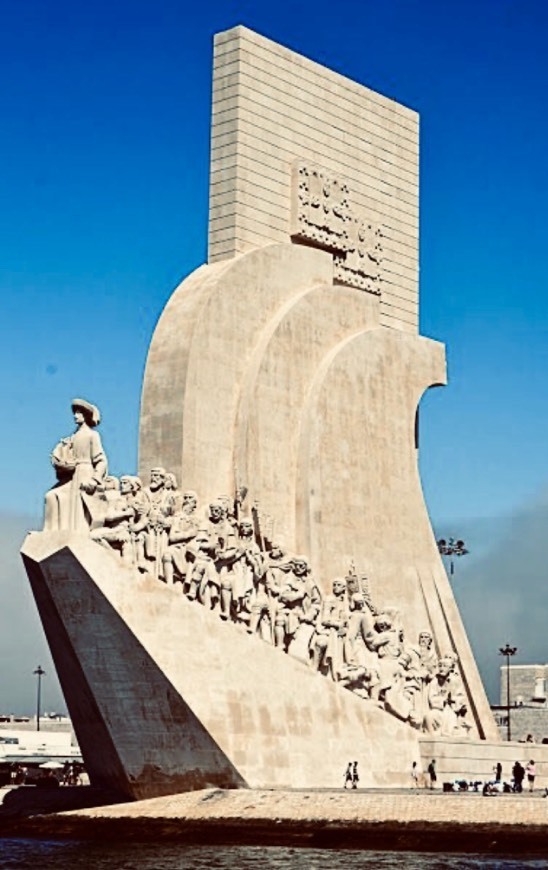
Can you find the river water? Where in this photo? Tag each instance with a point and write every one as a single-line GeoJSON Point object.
{"type": "Point", "coordinates": [42, 855]}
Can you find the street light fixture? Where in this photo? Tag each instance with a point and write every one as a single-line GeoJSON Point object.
{"type": "Point", "coordinates": [452, 548]}
{"type": "Point", "coordinates": [39, 672]}
{"type": "Point", "coordinates": [508, 651]}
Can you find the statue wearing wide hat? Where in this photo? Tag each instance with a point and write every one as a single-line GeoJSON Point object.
{"type": "Point", "coordinates": [80, 465]}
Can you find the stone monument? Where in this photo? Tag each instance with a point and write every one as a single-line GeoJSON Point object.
{"type": "Point", "coordinates": [286, 608]}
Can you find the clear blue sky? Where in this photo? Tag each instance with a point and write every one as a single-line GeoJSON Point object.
{"type": "Point", "coordinates": [104, 150]}
{"type": "Point", "coordinates": [105, 117]}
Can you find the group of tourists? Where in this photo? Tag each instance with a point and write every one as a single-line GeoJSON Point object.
{"type": "Point", "coordinates": [49, 775]}
{"type": "Point", "coordinates": [493, 786]}
{"type": "Point", "coordinates": [519, 774]}
{"type": "Point", "coordinates": [72, 773]}
{"type": "Point", "coordinates": [351, 775]}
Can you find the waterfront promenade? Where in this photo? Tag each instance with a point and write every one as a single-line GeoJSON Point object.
{"type": "Point", "coordinates": [397, 819]}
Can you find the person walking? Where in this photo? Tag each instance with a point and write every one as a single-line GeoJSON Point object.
{"type": "Point", "coordinates": [518, 772]}
{"type": "Point", "coordinates": [498, 771]}
{"type": "Point", "coordinates": [414, 775]}
{"type": "Point", "coordinates": [530, 770]}
{"type": "Point", "coordinates": [355, 775]}
{"type": "Point", "coordinates": [432, 775]}
{"type": "Point", "coordinates": [348, 775]}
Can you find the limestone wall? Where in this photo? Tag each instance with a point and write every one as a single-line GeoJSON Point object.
{"type": "Point", "coordinates": [527, 683]}
{"type": "Point", "coordinates": [524, 721]}
{"type": "Point", "coordinates": [476, 761]}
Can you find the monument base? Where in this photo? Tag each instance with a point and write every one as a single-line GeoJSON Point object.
{"type": "Point", "coordinates": [165, 697]}
{"type": "Point", "coordinates": [418, 821]}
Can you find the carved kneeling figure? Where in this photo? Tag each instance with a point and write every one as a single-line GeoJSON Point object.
{"type": "Point", "coordinates": [182, 532]}
{"type": "Point", "coordinates": [123, 521]}
{"type": "Point", "coordinates": [299, 603]}
{"type": "Point", "coordinates": [446, 700]}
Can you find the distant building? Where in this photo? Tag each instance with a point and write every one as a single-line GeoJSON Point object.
{"type": "Point", "coordinates": [20, 741]}
{"type": "Point", "coordinates": [48, 722]}
{"type": "Point", "coordinates": [528, 702]}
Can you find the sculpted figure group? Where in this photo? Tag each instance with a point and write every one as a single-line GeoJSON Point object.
{"type": "Point", "coordinates": [221, 560]}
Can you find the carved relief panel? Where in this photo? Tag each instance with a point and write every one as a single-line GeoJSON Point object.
{"type": "Point", "coordinates": [322, 215]}
{"type": "Point", "coordinates": [360, 266]}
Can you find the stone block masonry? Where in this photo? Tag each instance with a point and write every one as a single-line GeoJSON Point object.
{"type": "Point", "coordinates": [272, 107]}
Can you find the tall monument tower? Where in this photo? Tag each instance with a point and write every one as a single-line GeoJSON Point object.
{"type": "Point", "coordinates": [290, 367]}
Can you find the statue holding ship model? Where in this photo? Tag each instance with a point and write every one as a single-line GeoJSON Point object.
{"type": "Point", "coordinates": [81, 466]}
